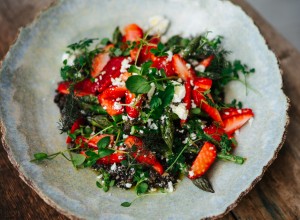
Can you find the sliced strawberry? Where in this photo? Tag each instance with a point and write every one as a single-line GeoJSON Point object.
{"type": "Point", "coordinates": [202, 84]}
{"type": "Point", "coordinates": [187, 100]}
{"type": "Point", "coordinates": [100, 61]}
{"type": "Point", "coordinates": [229, 112]}
{"type": "Point", "coordinates": [163, 63]}
{"type": "Point", "coordinates": [133, 32]}
{"type": "Point", "coordinates": [85, 87]}
{"type": "Point", "coordinates": [207, 61]}
{"type": "Point", "coordinates": [181, 68]}
{"type": "Point", "coordinates": [74, 127]}
{"type": "Point", "coordinates": [203, 161]}
{"type": "Point", "coordinates": [111, 106]}
{"type": "Point", "coordinates": [82, 88]}
{"type": "Point", "coordinates": [92, 143]}
{"type": "Point", "coordinates": [214, 131]}
{"type": "Point", "coordinates": [109, 100]}
{"type": "Point", "coordinates": [132, 112]}
{"type": "Point", "coordinates": [116, 157]}
{"type": "Point", "coordinates": [200, 101]}
{"type": "Point", "coordinates": [113, 92]}
{"type": "Point", "coordinates": [145, 54]}
{"type": "Point", "coordinates": [111, 70]}
{"type": "Point", "coordinates": [142, 155]}
{"type": "Point", "coordinates": [236, 122]}
{"type": "Point", "coordinates": [63, 87]}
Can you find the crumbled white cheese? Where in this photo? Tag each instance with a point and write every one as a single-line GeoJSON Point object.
{"type": "Point", "coordinates": [185, 141]}
{"type": "Point", "coordinates": [180, 110]}
{"type": "Point", "coordinates": [117, 82]}
{"type": "Point", "coordinates": [113, 167]}
{"type": "Point", "coordinates": [170, 187]}
{"type": "Point", "coordinates": [125, 136]}
{"type": "Point", "coordinates": [117, 106]}
{"type": "Point", "coordinates": [124, 118]}
{"type": "Point", "coordinates": [128, 185]}
{"type": "Point", "coordinates": [125, 65]}
{"type": "Point", "coordinates": [191, 173]}
{"type": "Point", "coordinates": [188, 65]}
{"type": "Point", "coordinates": [179, 93]}
{"type": "Point", "coordinates": [193, 136]}
{"type": "Point", "coordinates": [170, 55]}
{"type": "Point", "coordinates": [193, 105]}
{"type": "Point", "coordinates": [151, 91]}
{"type": "Point", "coordinates": [158, 25]}
{"type": "Point", "coordinates": [200, 68]}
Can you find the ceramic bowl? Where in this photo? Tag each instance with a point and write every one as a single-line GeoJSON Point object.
{"type": "Point", "coordinates": [29, 117]}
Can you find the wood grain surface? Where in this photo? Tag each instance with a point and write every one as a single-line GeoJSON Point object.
{"type": "Point", "coordinates": [276, 196]}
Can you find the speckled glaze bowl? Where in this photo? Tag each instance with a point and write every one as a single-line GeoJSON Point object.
{"type": "Point", "coordinates": [29, 117]}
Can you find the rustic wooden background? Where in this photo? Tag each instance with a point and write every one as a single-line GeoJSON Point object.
{"type": "Point", "coordinates": [276, 196]}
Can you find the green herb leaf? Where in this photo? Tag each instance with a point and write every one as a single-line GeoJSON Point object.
{"type": "Point", "coordinates": [141, 188]}
{"type": "Point", "coordinates": [126, 204]}
{"type": "Point", "coordinates": [167, 95]}
{"type": "Point", "coordinates": [77, 159]}
{"type": "Point", "coordinates": [103, 143]}
{"type": "Point", "coordinates": [155, 102]}
{"type": "Point", "coordinates": [40, 156]}
{"type": "Point", "coordinates": [105, 152]}
{"type": "Point", "coordinates": [138, 84]}
{"type": "Point", "coordinates": [99, 185]}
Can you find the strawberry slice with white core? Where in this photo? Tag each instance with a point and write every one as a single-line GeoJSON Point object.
{"type": "Point", "coordinates": [236, 122]}
{"type": "Point", "coordinates": [182, 68]}
{"type": "Point", "coordinates": [203, 161]}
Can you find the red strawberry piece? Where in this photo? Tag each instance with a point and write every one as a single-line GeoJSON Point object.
{"type": "Point", "coordinates": [82, 88]}
{"type": "Point", "coordinates": [142, 155]}
{"type": "Point", "coordinates": [109, 100]}
{"type": "Point", "coordinates": [181, 67]}
{"type": "Point", "coordinates": [112, 107]}
{"type": "Point", "coordinates": [132, 111]}
{"type": "Point", "coordinates": [203, 161]}
{"type": "Point", "coordinates": [202, 84]}
{"type": "Point", "coordinates": [235, 122]}
{"type": "Point", "coordinates": [229, 112]}
{"type": "Point", "coordinates": [214, 131]}
{"type": "Point", "coordinates": [187, 100]}
{"type": "Point", "coordinates": [133, 32]}
{"type": "Point", "coordinates": [163, 63]}
{"type": "Point", "coordinates": [111, 70]}
{"type": "Point", "coordinates": [207, 61]}
{"type": "Point", "coordinates": [116, 157]}
{"type": "Point", "coordinates": [74, 127]}
{"type": "Point", "coordinates": [113, 92]}
{"type": "Point", "coordinates": [200, 101]}
{"type": "Point", "coordinates": [85, 87]}
{"type": "Point", "coordinates": [145, 54]}
{"type": "Point", "coordinates": [100, 61]}
{"type": "Point", "coordinates": [92, 143]}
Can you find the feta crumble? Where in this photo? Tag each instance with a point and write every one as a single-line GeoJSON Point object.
{"type": "Point", "coordinates": [158, 25]}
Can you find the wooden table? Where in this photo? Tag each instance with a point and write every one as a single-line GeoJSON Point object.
{"type": "Point", "coordinates": [276, 196]}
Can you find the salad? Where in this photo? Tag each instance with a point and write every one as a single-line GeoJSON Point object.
{"type": "Point", "coordinates": [143, 111]}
